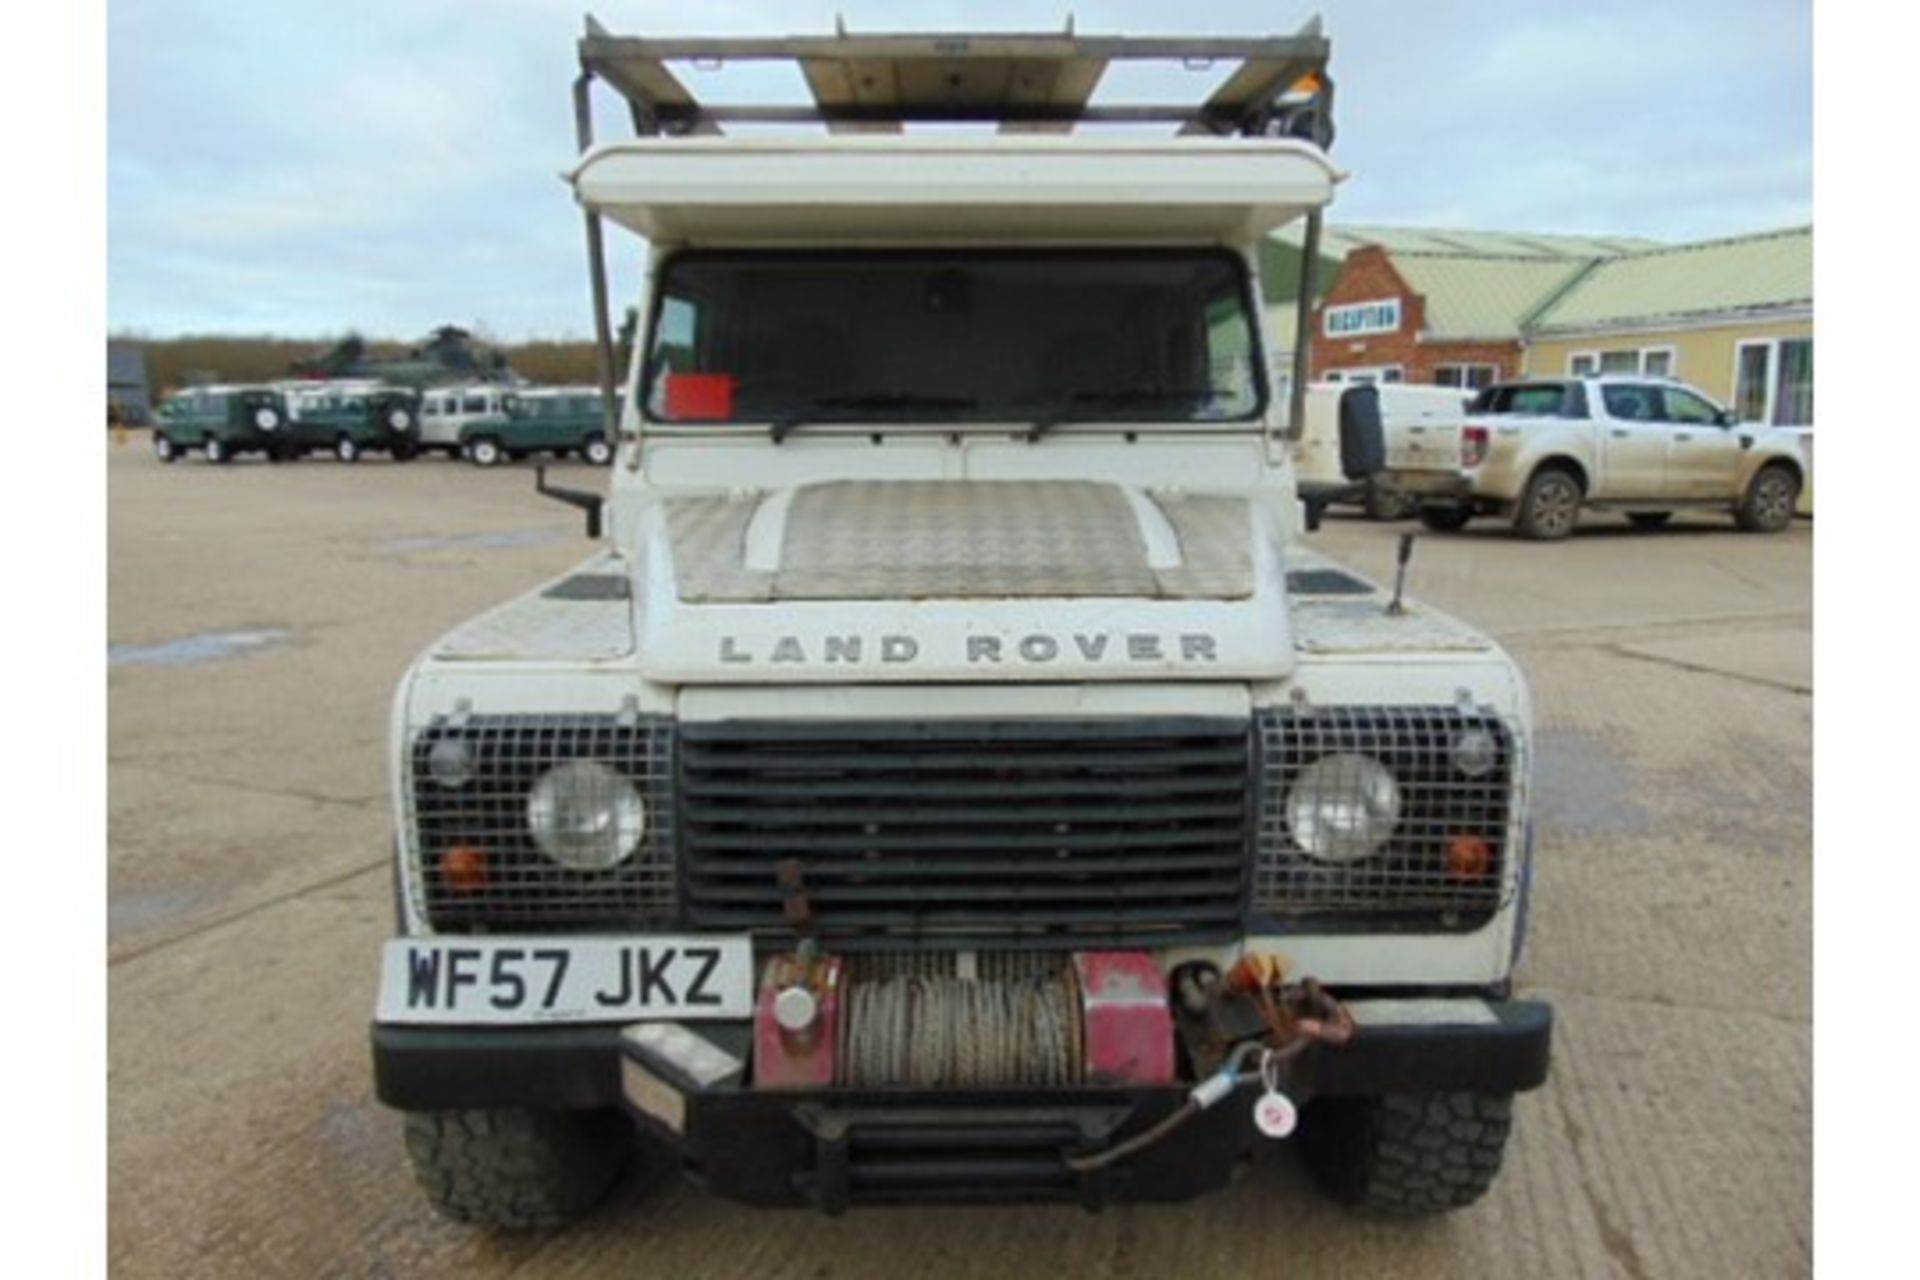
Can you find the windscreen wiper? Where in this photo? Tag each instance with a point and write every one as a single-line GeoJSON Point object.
{"type": "Point", "coordinates": [1130, 398]}
{"type": "Point", "coordinates": [874, 402]}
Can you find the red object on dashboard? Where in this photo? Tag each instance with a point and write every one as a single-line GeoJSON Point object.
{"type": "Point", "coordinates": [699, 397]}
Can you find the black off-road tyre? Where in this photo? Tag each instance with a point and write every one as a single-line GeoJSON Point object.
{"type": "Point", "coordinates": [517, 1170]}
{"type": "Point", "coordinates": [597, 451]}
{"type": "Point", "coordinates": [485, 451]}
{"type": "Point", "coordinates": [164, 449]}
{"type": "Point", "coordinates": [1389, 504]}
{"type": "Point", "coordinates": [1649, 519]}
{"type": "Point", "coordinates": [347, 449]}
{"type": "Point", "coordinates": [1549, 506]}
{"type": "Point", "coordinates": [1445, 519]}
{"type": "Point", "coordinates": [1769, 502]}
{"type": "Point", "coordinates": [1407, 1155]}
{"type": "Point", "coordinates": [215, 450]}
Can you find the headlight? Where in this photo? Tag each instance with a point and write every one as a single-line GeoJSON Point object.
{"type": "Point", "coordinates": [1343, 807]}
{"type": "Point", "coordinates": [586, 816]}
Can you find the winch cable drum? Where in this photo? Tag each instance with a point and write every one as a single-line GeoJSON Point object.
{"type": "Point", "coordinates": [936, 1031]}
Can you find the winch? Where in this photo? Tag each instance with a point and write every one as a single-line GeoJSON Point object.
{"type": "Point", "coordinates": [962, 1021]}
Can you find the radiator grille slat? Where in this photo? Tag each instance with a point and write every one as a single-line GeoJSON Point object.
{"type": "Point", "coordinates": [1085, 832]}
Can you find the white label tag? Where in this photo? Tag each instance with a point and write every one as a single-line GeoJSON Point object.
{"type": "Point", "coordinates": [1275, 1114]}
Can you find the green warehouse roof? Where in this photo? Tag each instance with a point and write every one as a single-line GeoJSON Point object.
{"type": "Point", "coordinates": [1710, 277]}
{"type": "Point", "coordinates": [1471, 296]}
{"type": "Point", "coordinates": [1338, 242]}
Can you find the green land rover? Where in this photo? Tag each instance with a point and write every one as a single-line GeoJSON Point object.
{"type": "Point", "coordinates": [349, 420]}
{"type": "Point", "coordinates": [556, 420]}
{"type": "Point", "coordinates": [222, 422]}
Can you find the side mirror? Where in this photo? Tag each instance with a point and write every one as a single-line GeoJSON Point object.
{"type": "Point", "coordinates": [1363, 436]}
{"type": "Point", "coordinates": [1727, 418]}
{"type": "Point", "coordinates": [591, 503]}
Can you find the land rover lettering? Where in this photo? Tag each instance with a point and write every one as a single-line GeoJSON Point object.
{"type": "Point", "coordinates": [1035, 647]}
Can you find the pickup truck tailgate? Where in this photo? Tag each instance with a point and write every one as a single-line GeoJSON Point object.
{"type": "Point", "coordinates": [1428, 444]}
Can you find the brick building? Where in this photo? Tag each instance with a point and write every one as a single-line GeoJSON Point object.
{"type": "Point", "coordinates": [1401, 304]}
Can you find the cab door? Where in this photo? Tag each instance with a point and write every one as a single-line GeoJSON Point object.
{"type": "Point", "coordinates": [1633, 444]}
{"type": "Point", "coordinates": [1703, 457]}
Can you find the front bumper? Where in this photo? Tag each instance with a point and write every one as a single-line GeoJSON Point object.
{"type": "Point", "coordinates": [837, 1147]}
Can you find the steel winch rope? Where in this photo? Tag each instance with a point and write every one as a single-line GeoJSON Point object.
{"type": "Point", "coordinates": [930, 1031]}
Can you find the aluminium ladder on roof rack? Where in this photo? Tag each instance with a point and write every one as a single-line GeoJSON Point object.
{"type": "Point", "coordinates": [1019, 82]}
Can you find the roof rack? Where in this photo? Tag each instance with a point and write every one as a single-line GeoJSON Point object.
{"type": "Point", "coordinates": [1020, 82]}
{"type": "Point", "coordinates": [1034, 82]}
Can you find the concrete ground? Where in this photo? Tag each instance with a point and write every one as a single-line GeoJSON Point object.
{"type": "Point", "coordinates": [261, 615]}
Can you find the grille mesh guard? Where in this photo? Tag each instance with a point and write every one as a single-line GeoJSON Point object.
{"type": "Point", "coordinates": [1409, 880]}
{"type": "Point", "coordinates": [523, 888]}
{"type": "Point", "coordinates": [972, 833]}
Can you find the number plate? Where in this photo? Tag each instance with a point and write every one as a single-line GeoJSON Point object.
{"type": "Point", "coordinates": [518, 980]}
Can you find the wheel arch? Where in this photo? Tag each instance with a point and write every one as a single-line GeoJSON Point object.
{"type": "Point", "coordinates": [1561, 462]}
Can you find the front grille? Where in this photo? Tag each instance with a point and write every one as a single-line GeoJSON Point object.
{"type": "Point", "coordinates": [521, 887]}
{"type": "Point", "coordinates": [991, 833]}
{"type": "Point", "coordinates": [1409, 879]}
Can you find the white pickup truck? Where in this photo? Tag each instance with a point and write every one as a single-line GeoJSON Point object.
{"type": "Point", "coordinates": [1540, 450]}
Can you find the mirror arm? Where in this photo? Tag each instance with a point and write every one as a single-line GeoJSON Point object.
{"type": "Point", "coordinates": [591, 503]}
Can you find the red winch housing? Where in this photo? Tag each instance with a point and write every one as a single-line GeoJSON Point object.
{"type": "Point", "coordinates": [1124, 1034]}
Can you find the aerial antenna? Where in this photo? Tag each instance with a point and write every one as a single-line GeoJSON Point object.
{"type": "Point", "coordinates": [1396, 606]}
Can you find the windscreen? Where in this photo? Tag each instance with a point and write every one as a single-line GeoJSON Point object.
{"type": "Point", "coordinates": [953, 337]}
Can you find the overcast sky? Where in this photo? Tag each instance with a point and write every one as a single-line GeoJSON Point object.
{"type": "Point", "coordinates": [304, 168]}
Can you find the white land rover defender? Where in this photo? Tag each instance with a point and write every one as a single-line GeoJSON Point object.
{"type": "Point", "coordinates": [953, 778]}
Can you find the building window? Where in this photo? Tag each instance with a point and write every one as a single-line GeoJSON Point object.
{"type": "Point", "coordinates": [1633, 362]}
{"type": "Point", "coordinates": [1472, 376]}
{"type": "Point", "coordinates": [1773, 381]}
{"type": "Point", "coordinates": [1368, 373]}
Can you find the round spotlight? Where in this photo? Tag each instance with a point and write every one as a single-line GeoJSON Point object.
{"type": "Point", "coordinates": [1475, 753]}
{"type": "Point", "coordinates": [450, 762]}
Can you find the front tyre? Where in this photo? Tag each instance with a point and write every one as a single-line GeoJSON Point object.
{"type": "Point", "coordinates": [516, 1170]}
{"type": "Point", "coordinates": [1407, 1155]}
{"type": "Point", "coordinates": [164, 449]}
{"type": "Point", "coordinates": [1770, 499]}
{"type": "Point", "coordinates": [216, 450]}
{"type": "Point", "coordinates": [485, 452]}
{"type": "Point", "coordinates": [1550, 505]}
{"type": "Point", "coordinates": [598, 451]}
{"type": "Point", "coordinates": [347, 449]}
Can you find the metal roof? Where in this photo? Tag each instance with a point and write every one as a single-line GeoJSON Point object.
{"type": "Point", "coordinates": [1710, 277]}
{"type": "Point", "coordinates": [1472, 296]}
{"type": "Point", "coordinates": [1339, 241]}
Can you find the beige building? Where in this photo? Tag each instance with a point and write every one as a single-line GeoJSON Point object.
{"type": "Point", "coordinates": [1733, 317]}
